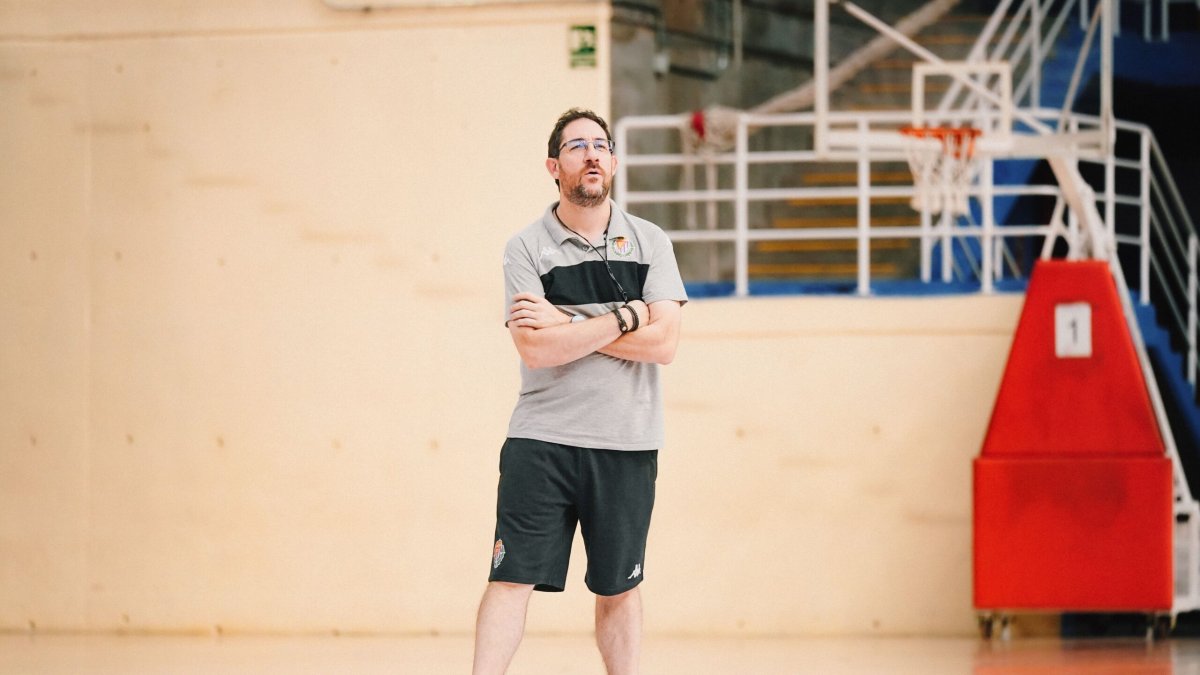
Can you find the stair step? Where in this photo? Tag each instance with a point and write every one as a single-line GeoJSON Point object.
{"type": "Point", "coordinates": [965, 18]}
{"type": "Point", "coordinates": [850, 178]}
{"type": "Point", "coordinates": [952, 39]}
{"type": "Point", "coordinates": [905, 87]}
{"type": "Point", "coordinates": [875, 106]}
{"type": "Point", "coordinates": [847, 221]}
{"type": "Point", "coordinates": [845, 201]}
{"type": "Point", "coordinates": [818, 269]}
{"type": "Point", "coordinates": [894, 64]}
{"type": "Point", "coordinates": [828, 245]}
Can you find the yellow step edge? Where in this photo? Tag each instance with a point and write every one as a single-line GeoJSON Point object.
{"type": "Point", "coordinates": [869, 107]}
{"type": "Point", "coordinates": [901, 87]}
{"type": "Point", "coordinates": [965, 18]}
{"type": "Point", "coordinates": [844, 201]}
{"type": "Point", "coordinates": [952, 39]}
{"type": "Point", "coordinates": [818, 269]}
{"type": "Point", "coordinates": [894, 64]}
{"type": "Point", "coordinates": [848, 221]}
{"type": "Point", "coordinates": [829, 245]}
{"type": "Point", "coordinates": [851, 177]}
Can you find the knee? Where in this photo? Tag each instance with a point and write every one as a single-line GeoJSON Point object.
{"type": "Point", "coordinates": [605, 601]}
{"type": "Point", "coordinates": [509, 588]}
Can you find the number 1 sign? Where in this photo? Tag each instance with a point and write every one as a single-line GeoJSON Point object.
{"type": "Point", "coordinates": [1073, 330]}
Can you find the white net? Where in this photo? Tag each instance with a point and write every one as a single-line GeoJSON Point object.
{"type": "Point", "coordinates": [942, 163]}
{"type": "Point", "coordinates": [713, 129]}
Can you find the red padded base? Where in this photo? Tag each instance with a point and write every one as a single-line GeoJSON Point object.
{"type": "Point", "coordinates": [1086, 534]}
{"type": "Point", "coordinates": [1072, 406]}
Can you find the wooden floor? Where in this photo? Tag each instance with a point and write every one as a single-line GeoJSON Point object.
{"type": "Point", "coordinates": [97, 655]}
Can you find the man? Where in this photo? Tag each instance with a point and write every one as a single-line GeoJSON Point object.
{"type": "Point", "coordinates": [593, 300]}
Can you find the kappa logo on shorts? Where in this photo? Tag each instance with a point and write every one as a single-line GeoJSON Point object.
{"type": "Point", "coordinates": [498, 553]}
{"type": "Point", "coordinates": [622, 246]}
{"type": "Point", "coordinates": [637, 571]}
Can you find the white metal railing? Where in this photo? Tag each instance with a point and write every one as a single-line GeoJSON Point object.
{"type": "Point", "coordinates": [740, 193]}
{"type": "Point", "coordinates": [1169, 249]}
{"type": "Point", "coordinates": [1025, 52]}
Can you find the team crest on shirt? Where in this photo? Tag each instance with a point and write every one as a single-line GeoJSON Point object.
{"type": "Point", "coordinates": [498, 553]}
{"type": "Point", "coordinates": [622, 246]}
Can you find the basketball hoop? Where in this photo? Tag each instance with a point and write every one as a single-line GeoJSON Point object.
{"type": "Point", "coordinates": [941, 170]}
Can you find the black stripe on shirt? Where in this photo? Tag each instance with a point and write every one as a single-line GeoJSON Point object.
{"type": "Point", "coordinates": [588, 282]}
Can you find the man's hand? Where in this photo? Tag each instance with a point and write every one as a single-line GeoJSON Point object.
{"type": "Point", "coordinates": [534, 311]}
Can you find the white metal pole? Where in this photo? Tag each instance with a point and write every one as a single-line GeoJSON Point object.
{"type": "Point", "coordinates": [947, 206]}
{"type": "Point", "coordinates": [1191, 336]}
{"type": "Point", "coordinates": [998, 251]}
{"type": "Point", "coordinates": [1110, 195]}
{"type": "Point", "coordinates": [988, 243]}
{"type": "Point", "coordinates": [926, 242]}
{"type": "Point", "coordinates": [1144, 205]}
{"type": "Point", "coordinates": [947, 242]}
{"type": "Point", "coordinates": [741, 219]}
{"type": "Point", "coordinates": [1082, 14]}
{"type": "Point", "coordinates": [918, 99]}
{"type": "Point", "coordinates": [1074, 249]}
{"type": "Point", "coordinates": [1106, 77]}
{"type": "Point", "coordinates": [821, 76]}
{"type": "Point", "coordinates": [1035, 53]}
{"type": "Point", "coordinates": [711, 183]}
{"type": "Point", "coordinates": [864, 211]}
{"type": "Point", "coordinates": [1080, 62]}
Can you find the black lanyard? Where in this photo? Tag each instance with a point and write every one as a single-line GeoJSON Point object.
{"type": "Point", "coordinates": [603, 256]}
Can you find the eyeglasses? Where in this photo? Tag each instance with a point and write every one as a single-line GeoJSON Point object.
{"type": "Point", "coordinates": [581, 144]}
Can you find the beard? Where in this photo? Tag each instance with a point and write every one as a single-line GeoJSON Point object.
{"type": "Point", "coordinates": [579, 195]}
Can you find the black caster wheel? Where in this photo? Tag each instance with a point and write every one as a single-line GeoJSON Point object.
{"type": "Point", "coordinates": [1158, 626]}
{"type": "Point", "coordinates": [995, 625]}
{"type": "Point", "coordinates": [987, 626]}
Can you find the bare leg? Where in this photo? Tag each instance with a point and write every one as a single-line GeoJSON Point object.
{"type": "Point", "coordinates": [619, 631]}
{"type": "Point", "coordinates": [500, 626]}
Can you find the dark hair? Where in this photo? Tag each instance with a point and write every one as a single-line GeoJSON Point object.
{"type": "Point", "coordinates": [566, 118]}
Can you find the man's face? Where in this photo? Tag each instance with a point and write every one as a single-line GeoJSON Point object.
{"type": "Point", "coordinates": [584, 174]}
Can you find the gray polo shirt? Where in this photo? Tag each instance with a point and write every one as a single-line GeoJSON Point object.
{"type": "Point", "coordinates": [597, 401]}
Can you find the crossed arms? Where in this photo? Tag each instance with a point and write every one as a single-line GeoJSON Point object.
{"type": "Point", "coordinates": [544, 335]}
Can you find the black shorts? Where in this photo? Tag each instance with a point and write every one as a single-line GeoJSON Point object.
{"type": "Point", "coordinates": [545, 488]}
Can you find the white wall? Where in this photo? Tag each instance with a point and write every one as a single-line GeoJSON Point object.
{"type": "Point", "coordinates": [252, 372]}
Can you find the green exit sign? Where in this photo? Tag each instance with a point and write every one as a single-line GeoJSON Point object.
{"type": "Point", "coordinates": [582, 46]}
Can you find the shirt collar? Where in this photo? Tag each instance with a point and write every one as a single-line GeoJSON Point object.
{"type": "Point", "coordinates": [617, 225]}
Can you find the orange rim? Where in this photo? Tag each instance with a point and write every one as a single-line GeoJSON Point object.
{"type": "Point", "coordinates": [957, 141]}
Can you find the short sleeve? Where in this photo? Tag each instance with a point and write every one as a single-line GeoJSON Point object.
{"type": "Point", "coordinates": [520, 275]}
{"type": "Point", "coordinates": [662, 279]}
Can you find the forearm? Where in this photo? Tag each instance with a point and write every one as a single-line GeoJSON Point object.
{"type": "Point", "coordinates": [564, 343]}
{"type": "Point", "coordinates": [654, 342]}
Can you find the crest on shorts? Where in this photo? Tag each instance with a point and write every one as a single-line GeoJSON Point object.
{"type": "Point", "coordinates": [622, 246]}
{"type": "Point", "coordinates": [498, 553]}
